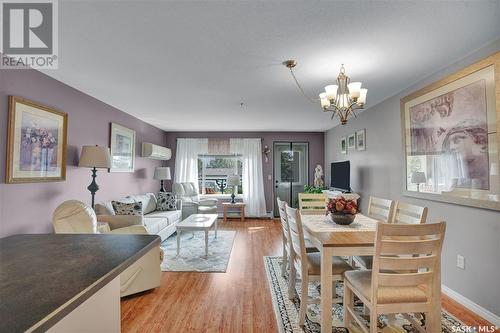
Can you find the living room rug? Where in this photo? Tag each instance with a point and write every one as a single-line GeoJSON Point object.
{"type": "Point", "coordinates": [192, 254]}
{"type": "Point", "coordinates": [287, 311]}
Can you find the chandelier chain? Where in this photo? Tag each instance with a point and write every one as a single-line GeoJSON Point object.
{"type": "Point", "coordinates": [313, 100]}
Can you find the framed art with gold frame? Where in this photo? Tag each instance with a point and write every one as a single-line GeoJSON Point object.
{"type": "Point", "coordinates": [36, 143]}
{"type": "Point", "coordinates": [451, 137]}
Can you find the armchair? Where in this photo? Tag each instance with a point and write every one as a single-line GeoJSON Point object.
{"type": "Point", "coordinates": [76, 217]}
{"type": "Point", "coordinates": [191, 202]}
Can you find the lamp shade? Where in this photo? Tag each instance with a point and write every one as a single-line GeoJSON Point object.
{"type": "Point", "coordinates": [95, 157]}
{"type": "Point", "coordinates": [233, 180]}
{"type": "Point", "coordinates": [162, 173]}
{"type": "Point", "coordinates": [418, 177]}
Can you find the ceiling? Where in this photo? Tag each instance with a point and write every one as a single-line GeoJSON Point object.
{"type": "Point", "coordinates": [187, 65]}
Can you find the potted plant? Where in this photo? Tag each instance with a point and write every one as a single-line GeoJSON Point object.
{"type": "Point", "coordinates": [341, 210]}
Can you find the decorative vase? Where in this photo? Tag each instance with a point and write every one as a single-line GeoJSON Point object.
{"type": "Point", "coordinates": [342, 218]}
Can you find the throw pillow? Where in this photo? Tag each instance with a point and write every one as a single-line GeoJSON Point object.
{"type": "Point", "coordinates": [122, 208]}
{"type": "Point", "coordinates": [166, 201]}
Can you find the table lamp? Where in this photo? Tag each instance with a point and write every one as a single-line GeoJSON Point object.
{"type": "Point", "coordinates": [94, 157]}
{"type": "Point", "coordinates": [418, 177]}
{"type": "Point", "coordinates": [162, 173]}
{"type": "Point", "coordinates": [233, 181]}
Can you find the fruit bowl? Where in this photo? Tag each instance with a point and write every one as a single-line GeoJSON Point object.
{"type": "Point", "coordinates": [342, 218]}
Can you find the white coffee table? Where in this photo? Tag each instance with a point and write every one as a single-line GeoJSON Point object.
{"type": "Point", "coordinates": [197, 222]}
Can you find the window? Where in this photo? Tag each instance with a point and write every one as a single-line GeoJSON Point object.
{"type": "Point", "coordinates": [213, 171]}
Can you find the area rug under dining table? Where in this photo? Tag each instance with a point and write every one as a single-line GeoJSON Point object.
{"type": "Point", "coordinates": [287, 310]}
{"type": "Point", "coordinates": [192, 252]}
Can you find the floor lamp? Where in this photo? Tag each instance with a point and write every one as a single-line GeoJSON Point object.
{"type": "Point", "coordinates": [94, 157]}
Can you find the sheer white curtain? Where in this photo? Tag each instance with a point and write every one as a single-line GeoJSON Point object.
{"type": "Point", "coordinates": [186, 159]}
{"type": "Point", "coordinates": [252, 177]}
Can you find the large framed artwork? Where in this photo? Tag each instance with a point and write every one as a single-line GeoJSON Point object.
{"type": "Point", "coordinates": [36, 143]}
{"type": "Point", "coordinates": [451, 133]}
{"type": "Point", "coordinates": [122, 146]}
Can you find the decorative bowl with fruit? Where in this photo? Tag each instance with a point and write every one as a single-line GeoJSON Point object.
{"type": "Point", "coordinates": [341, 210]}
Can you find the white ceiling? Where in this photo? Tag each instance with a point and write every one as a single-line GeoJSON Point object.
{"type": "Point", "coordinates": [187, 65]}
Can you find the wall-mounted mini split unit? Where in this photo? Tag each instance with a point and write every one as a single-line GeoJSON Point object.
{"type": "Point", "coordinates": [156, 152]}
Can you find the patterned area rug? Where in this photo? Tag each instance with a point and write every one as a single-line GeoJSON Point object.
{"type": "Point", "coordinates": [287, 311]}
{"type": "Point", "coordinates": [192, 254]}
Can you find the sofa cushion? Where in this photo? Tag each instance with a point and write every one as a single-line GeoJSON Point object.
{"type": "Point", "coordinates": [155, 224]}
{"type": "Point", "coordinates": [104, 208]}
{"type": "Point", "coordinates": [172, 216]}
{"type": "Point", "coordinates": [123, 208]}
{"type": "Point", "coordinates": [148, 201]}
{"type": "Point", "coordinates": [166, 201]}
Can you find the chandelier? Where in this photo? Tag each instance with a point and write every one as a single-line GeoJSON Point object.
{"type": "Point", "coordinates": [341, 99]}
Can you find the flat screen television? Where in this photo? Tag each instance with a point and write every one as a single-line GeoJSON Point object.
{"type": "Point", "coordinates": [341, 176]}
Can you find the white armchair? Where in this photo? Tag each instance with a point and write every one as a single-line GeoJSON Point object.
{"type": "Point", "coordinates": [191, 202]}
{"type": "Point", "coordinates": [76, 217]}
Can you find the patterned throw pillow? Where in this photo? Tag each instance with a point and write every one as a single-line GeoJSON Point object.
{"type": "Point", "coordinates": [122, 208]}
{"type": "Point", "coordinates": [166, 201]}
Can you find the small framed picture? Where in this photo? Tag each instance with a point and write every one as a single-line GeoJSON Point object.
{"type": "Point", "coordinates": [36, 143]}
{"type": "Point", "coordinates": [122, 145]}
{"type": "Point", "coordinates": [343, 145]}
{"type": "Point", "coordinates": [351, 141]}
{"type": "Point", "coordinates": [361, 140]}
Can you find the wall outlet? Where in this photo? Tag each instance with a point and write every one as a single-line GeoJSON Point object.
{"type": "Point", "coordinates": [460, 261]}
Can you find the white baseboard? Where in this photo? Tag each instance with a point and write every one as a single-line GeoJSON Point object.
{"type": "Point", "coordinates": [477, 309]}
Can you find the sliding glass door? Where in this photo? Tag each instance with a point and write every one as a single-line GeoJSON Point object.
{"type": "Point", "coordinates": [291, 171]}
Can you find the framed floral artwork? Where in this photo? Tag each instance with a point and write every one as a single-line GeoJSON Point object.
{"type": "Point", "coordinates": [36, 143]}
{"type": "Point", "coordinates": [451, 137]}
{"type": "Point", "coordinates": [343, 145]}
{"type": "Point", "coordinates": [122, 146]}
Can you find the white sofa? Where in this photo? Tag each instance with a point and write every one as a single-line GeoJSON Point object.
{"type": "Point", "coordinates": [76, 217]}
{"type": "Point", "coordinates": [161, 223]}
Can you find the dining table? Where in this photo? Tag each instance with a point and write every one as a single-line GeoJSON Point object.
{"type": "Point", "coordinates": [331, 239]}
{"type": "Point", "coordinates": [355, 239]}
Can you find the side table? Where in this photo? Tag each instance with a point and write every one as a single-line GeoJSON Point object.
{"type": "Point", "coordinates": [237, 205]}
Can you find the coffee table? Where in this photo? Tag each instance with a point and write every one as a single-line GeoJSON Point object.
{"type": "Point", "coordinates": [197, 222]}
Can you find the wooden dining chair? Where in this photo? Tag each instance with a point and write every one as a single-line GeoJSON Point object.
{"type": "Point", "coordinates": [313, 203]}
{"type": "Point", "coordinates": [403, 213]}
{"type": "Point", "coordinates": [405, 277]}
{"type": "Point", "coordinates": [308, 265]}
{"type": "Point", "coordinates": [287, 248]}
{"type": "Point", "coordinates": [380, 209]}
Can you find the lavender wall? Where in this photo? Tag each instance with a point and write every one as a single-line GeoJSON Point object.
{"type": "Point", "coordinates": [316, 150]}
{"type": "Point", "coordinates": [27, 208]}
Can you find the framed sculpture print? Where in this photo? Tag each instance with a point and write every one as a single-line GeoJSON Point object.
{"type": "Point", "coordinates": [122, 146]}
{"type": "Point", "coordinates": [451, 137]}
{"type": "Point", "coordinates": [351, 141]}
{"type": "Point", "coordinates": [343, 145]}
{"type": "Point", "coordinates": [361, 140]}
{"type": "Point", "coordinates": [36, 143]}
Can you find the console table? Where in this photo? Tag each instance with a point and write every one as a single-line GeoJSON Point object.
{"type": "Point", "coordinates": [238, 205]}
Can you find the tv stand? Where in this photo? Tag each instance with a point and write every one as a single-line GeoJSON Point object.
{"type": "Point", "coordinates": [336, 193]}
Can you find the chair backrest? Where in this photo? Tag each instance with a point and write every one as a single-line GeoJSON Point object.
{"type": "Point", "coordinates": [380, 209]}
{"type": "Point", "coordinates": [185, 191]}
{"type": "Point", "coordinates": [407, 256]}
{"type": "Point", "coordinates": [74, 217]}
{"type": "Point", "coordinates": [283, 219]}
{"type": "Point", "coordinates": [312, 202]}
{"type": "Point", "coordinates": [296, 235]}
{"type": "Point", "coordinates": [405, 213]}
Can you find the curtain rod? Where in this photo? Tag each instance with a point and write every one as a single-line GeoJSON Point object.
{"type": "Point", "coordinates": [261, 139]}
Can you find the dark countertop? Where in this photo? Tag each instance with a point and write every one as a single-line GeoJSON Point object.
{"type": "Point", "coordinates": [41, 273]}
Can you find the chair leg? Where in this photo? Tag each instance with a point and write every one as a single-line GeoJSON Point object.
{"type": "Point", "coordinates": [284, 261]}
{"type": "Point", "coordinates": [348, 303]}
{"type": "Point", "coordinates": [304, 284]}
{"type": "Point", "coordinates": [432, 323]}
{"type": "Point", "coordinates": [292, 280]}
{"type": "Point", "coordinates": [373, 321]}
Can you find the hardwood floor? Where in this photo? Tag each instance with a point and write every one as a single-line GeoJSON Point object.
{"type": "Point", "coordinates": [236, 301]}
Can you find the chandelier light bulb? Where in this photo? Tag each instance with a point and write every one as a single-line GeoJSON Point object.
{"type": "Point", "coordinates": [331, 91]}
{"type": "Point", "coordinates": [362, 96]}
{"type": "Point", "coordinates": [354, 89]}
